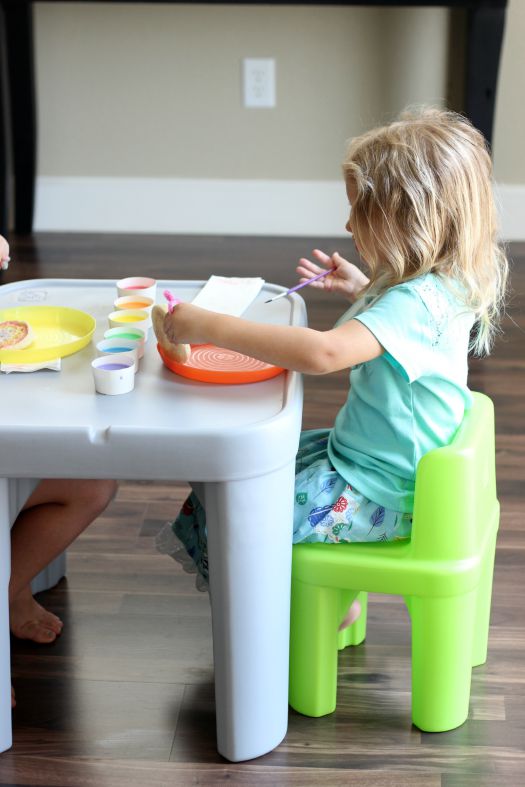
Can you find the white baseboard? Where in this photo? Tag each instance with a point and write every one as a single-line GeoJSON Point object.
{"type": "Point", "coordinates": [187, 206]}
{"type": "Point", "coordinates": [511, 204]}
{"type": "Point", "coordinates": [214, 207]}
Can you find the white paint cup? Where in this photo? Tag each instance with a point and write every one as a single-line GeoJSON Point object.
{"type": "Point", "coordinates": [137, 285]}
{"type": "Point", "coordinates": [129, 318]}
{"type": "Point", "coordinates": [113, 375]}
{"type": "Point", "coordinates": [127, 334]}
{"type": "Point", "coordinates": [134, 303]}
{"type": "Point", "coordinates": [118, 349]}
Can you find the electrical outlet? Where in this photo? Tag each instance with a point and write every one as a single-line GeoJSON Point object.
{"type": "Point", "coordinates": [258, 81]}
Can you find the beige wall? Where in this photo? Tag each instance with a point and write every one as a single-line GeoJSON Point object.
{"type": "Point", "coordinates": [509, 127]}
{"type": "Point", "coordinates": [146, 90]}
{"type": "Point", "coordinates": [141, 126]}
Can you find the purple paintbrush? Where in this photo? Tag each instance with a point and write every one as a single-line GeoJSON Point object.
{"type": "Point", "coordinates": [300, 286]}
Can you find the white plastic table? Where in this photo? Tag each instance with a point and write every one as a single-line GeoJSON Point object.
{"type": "Point", "coordinates": [238, 441]}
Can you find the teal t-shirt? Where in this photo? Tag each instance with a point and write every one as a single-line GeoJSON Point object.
{"type": "Point", "coordinates": [409, 400]}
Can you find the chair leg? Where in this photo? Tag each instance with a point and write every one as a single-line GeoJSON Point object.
{"type": "Point", "coordinates": [483, 604]}
{"type": "Point", "coordinates": [356, 633]}
{"type": "Point", "coordinates": [313, 649]}
{"type": "Point", "coordinates": [442, 630]}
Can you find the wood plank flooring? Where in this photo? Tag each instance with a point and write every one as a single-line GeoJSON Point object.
{"type": "Point", "coordinates": [125, 696]}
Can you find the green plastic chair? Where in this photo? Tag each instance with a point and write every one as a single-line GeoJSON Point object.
{"type": "Point", "coordinates": [444, 574]}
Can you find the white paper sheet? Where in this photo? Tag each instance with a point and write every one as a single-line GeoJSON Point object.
{"type": "Point", "coordinates": [228, 294]}
{"type": "Point", "coordinates": [54, 365]}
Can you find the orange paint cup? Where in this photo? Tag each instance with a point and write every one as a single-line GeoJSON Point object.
{"type": "Point", "coordinates": [135, 303]}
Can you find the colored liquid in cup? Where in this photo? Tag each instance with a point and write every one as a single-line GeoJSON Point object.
{"type": "Point", "coordinates": [113, 367]}
{"type": "Point", "coordinates": [130, 335]}
{"type": "Point", "coordinates": [136, 305]}
{"type": "Point", "coordinates": [129, 318]}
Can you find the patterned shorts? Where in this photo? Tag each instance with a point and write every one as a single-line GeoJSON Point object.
{"type": "Point", "coordinates": [326, 509]}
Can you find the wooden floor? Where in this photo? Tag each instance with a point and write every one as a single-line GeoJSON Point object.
{"type": "Point", "coordinates": [125, 697]}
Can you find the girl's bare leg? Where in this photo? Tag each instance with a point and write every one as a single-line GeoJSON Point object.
{"type": "Point", "coordinates": [353, 612]}
{"type": "Point", "coordinates": [53, 516]}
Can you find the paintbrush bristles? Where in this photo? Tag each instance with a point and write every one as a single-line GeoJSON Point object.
{"type": "Point", "coordinates": [281, 295]}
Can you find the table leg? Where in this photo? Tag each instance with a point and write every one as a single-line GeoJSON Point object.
{"type": "Point", "coordinates": [6, 736]}
{"type": "Point", "coordinates": [249, 542]}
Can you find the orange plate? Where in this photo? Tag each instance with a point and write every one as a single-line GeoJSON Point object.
{"type": "Point", "coordinates": [211, 364]}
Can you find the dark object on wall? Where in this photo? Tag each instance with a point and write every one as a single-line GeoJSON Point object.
{"type": "Point", "coordinates": [4, 184]}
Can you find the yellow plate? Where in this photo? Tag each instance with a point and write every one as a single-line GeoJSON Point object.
{"type": "Point", "coordinates": [58, 331]}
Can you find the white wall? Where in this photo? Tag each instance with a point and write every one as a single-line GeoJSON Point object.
{"type": "Point", "coordinates": [151, 90]}
{"type": "Point", "coordinates": [141, 126]}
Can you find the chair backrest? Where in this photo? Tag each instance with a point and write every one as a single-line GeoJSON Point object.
{"type": "Point", "coordinates": [455, 501]}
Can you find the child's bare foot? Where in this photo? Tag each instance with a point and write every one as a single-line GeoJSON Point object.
{"type": "Point", "coordinates": [29, 620]}
{"type": "Point", "coordinates": [354, 610]}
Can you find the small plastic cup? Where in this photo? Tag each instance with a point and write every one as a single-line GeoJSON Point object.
{"type": "Point", "coordinates": [119, 348]}
{"type": "Point", "coordinates": [127, 334]}
{"type": "Point", "coordinates": [137, 285]}
{"type": "Point", "coordinates": [131, 319]}
{"type": "Point", "coordinates": [135, 303]}
{"type": "Point", "coordinates": [113, 376]}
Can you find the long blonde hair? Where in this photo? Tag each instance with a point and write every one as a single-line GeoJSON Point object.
{"type": "Point", "coordinates": [425, 203]}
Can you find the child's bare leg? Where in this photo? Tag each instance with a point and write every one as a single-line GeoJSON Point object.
{"type": "Point", "coordinates": [53, 516]}
{"type": "Point", "coordinates": [353, 612]}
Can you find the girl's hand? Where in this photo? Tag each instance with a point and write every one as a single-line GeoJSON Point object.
{"type": "Point", "coordinates": [186, 324]}
{"type": "Point", "coordinates": [4, 253]}
{"type": "Point", "coordinates": [345, 278]}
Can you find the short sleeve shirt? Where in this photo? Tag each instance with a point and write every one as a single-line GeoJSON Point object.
{"type": "Point", "coordinates": [410, 399]}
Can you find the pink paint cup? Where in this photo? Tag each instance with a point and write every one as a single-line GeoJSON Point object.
{"type": "Point", "coordinates": [137, 285]}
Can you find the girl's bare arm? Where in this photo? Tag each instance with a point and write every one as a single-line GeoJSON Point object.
{"type": "Point", "coordinates": [292, 347]}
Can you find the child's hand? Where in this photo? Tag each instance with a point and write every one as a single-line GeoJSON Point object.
{"type": "Point", "coordinates": [4, 253]}
{"type": "Point", "coordinates": [186, 324]}
{"type": "Point", "coordinates": [175, 352]}
{"type": "Point", "coordinates": [345, 278]}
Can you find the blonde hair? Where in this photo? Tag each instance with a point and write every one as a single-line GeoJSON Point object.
{"type": "Point", "coordinates": [425, 203]}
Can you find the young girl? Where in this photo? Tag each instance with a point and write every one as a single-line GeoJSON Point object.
{"type": "Point", "coordinates": [423, 221]}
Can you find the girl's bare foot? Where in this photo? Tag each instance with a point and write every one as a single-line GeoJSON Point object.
{"type": "Point", "coordinates": [354, 610]}
{"type": "Point", "coordinates": [29, 620]}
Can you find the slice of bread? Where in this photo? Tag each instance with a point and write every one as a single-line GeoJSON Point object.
{"type": "Point", "coordinates": [15, 335]}
{"type": "Point", "coordinates": [177, 352]}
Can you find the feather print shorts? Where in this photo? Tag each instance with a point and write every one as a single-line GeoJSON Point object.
{"type": "Point", "coordinates": [326, 509]}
